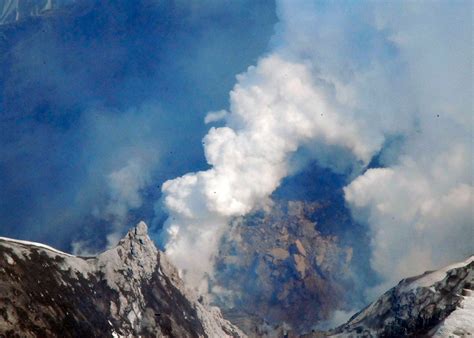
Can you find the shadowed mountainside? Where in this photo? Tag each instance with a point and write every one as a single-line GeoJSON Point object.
{"type": "Point", "coordinates": [129, 290]}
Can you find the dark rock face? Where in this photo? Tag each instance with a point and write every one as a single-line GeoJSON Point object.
{"type": "Point", "coordinates": [418, 306]}
{"type": "Point", "coordinates": [129, 290]}
{"type": "Point", "coordinates": [38, 299]}
{"type": "Point", "coordinates": [281, 269]}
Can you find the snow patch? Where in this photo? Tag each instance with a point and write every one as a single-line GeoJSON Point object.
{"type": "Point", "coordinates": [460, 322]}
{"type": "Point", "coordinates": [35, 244]}
{"type": "Point", "coordinates": [9, 259]}
{"type": "Point", "coordinates": [432, 278]}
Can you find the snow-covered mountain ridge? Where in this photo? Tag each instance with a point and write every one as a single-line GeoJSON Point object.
{"type": "Point", "coordinates": [130, 290]}
{"type": "Point", "coordinates": [438, 303]}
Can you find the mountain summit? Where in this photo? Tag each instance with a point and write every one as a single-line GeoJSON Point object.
{"type": "Point", "coordinates": [129, 290]}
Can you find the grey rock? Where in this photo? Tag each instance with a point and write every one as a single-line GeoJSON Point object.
{"type": "Point", "coordinates": [417, 306]}
{"type": "Point", "coordinates": [130, 290]}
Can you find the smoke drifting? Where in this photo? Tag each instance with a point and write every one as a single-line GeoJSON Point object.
{"type": "Point", "coordinates": [420, 206]}
{"type": "Point", "coordinates": [340, 80]}
{"type": "Point", "coordinates": [94, 99]}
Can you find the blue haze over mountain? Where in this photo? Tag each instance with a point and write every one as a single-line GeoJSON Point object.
{"type": "Point", "coordinates": [87, 88]}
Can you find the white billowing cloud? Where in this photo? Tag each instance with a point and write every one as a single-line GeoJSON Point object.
{"type": "Point", "coordinates": [420, 208]}
{"type": "Point", "coordinates": [421, 216]}
{"type": "Point", "coordinates": [346, 79]}
{"type": "Point", "coordinates": [275, 108]}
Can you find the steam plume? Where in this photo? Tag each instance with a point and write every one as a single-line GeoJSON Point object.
{"type": "Point", "coordinates": [352, 79]}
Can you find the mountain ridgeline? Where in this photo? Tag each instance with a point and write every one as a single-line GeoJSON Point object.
{"type": "Point", "coordinates": [132, 290]}
{"type": "Point", "coordinates": [128, 291]}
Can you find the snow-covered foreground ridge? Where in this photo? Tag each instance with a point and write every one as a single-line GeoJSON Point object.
{"type": "Point", "coordinates": [35, 244]}
{"type": "Point", "coordinates": [130, 290]}
{"type": "Point", "coordinates": [438, 303]}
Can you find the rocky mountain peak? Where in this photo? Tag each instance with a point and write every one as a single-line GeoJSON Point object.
{"type": "Point", "coordinates": [141, 229]}
{"type": "Point", "coordinates": [132, 261]}
{"type": "Point", "coordinates": [129, 290]}
{"type": "Point", "coordinates": [137, 237]}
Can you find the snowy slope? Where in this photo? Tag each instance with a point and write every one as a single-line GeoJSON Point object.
{"type": "Point", "coordinates": [438, 303]}
{"type": "Point", "coordinates": [34, 244]}
{"type": "Point", "coordinates": [461, 321]}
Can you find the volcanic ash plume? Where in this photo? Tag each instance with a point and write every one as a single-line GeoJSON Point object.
{"type": "Point", "coordinates": [352, 81]}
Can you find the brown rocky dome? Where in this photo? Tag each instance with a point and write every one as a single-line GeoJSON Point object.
{"type": "Point", "coordinates": [280, 269]}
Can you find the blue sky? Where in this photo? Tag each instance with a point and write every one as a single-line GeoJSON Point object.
{"type": "Point", "coordinates": [83, 93]}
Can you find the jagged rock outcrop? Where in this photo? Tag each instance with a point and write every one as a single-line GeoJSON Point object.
{"type": "Point", "coordinates": [130, 290]}
{"type": "Point", "coordinates": [439, 303]}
